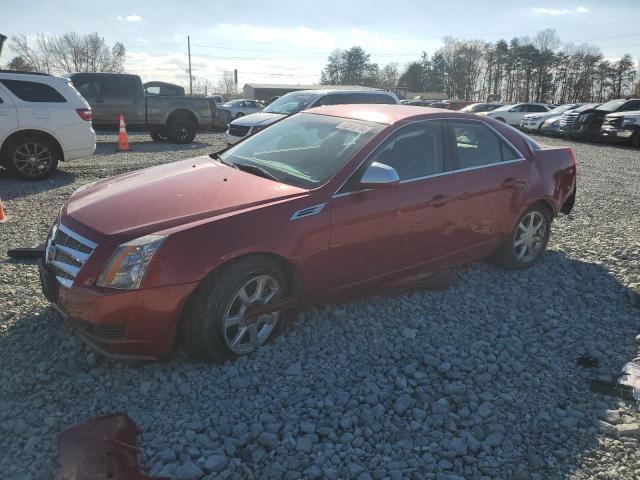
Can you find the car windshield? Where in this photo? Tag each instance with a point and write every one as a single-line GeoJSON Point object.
{"type": "Point", "coordinates": [505, 107]}
{"type": "Point", "coordinates": [611, 106]}
{"type": "Point", "coordinates": [291, 103]}
{"type": "Point", "coordinates": [562, 108]}
{"type": "Point", "coordinates": [305, 150]}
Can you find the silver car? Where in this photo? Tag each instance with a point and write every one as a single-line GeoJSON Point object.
{"type": "Point", "coordinates": [295, 102]}
{"type": "Point", "coordinates": [241, 107]}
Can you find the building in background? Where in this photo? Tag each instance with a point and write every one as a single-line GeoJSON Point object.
{"type": "Point", "coordinates": [264, 91]}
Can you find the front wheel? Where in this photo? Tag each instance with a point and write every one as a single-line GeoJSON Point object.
{"type": "Point", "coordinates": [528, 240]}
{"type": "Point", "coordinates": [32, 157]}
{"type": "Point", "coordinates": [218, 322]}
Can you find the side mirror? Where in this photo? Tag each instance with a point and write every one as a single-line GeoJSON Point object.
{"type": "Point", "coordinates": [379, 175]}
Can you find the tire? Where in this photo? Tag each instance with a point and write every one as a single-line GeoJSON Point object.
{"type": "Point", "coordinates": [214, 318]}
{"type": "Point", "coordinates": [159, 135]}
{"type": "Point", "coordinates": [181, 130]}
{"type": "Point", "coordinates": [32, 157]}
{"type": "Point", "coordinates": [525, 246]}
{"type": "Point", "coordinates": [635, 140]}
{"type": "Point", "coordinates": [238, 115]}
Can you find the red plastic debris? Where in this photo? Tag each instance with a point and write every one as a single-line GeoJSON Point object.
{"type": "Point", "coordinates": [103, 448]}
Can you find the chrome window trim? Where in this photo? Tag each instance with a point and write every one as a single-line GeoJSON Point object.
{"type": "Point", "coordinates": [521, 157]}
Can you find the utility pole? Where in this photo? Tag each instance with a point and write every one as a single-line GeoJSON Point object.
{"type": "Point", "coordinates": [190, 76]}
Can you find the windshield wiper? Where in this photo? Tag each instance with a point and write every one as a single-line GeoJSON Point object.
{"type": "Point", "coordinates": [254, 169]}
{"type": "Point", "coordinates": [216, 156]}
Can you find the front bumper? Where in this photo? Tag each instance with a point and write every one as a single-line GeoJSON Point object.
{"type": "Point", "coordinates": [127, 324]}
{"type": "Point", "coordinates": [618, 134]}
{"type": "Point", "coordinates": [530, 125]}
{"type": "Point", "coordinates": [231, 139]}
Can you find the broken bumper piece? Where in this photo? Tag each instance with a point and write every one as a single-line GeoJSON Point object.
{"type": "Point", "coordinates": [103, 448]}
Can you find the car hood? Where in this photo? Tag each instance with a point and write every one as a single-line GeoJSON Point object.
{"type": "Point", "coordinates": [553, 118]}
{"type": "Point", "coordinates": [540, 115]}
{"type": "Point", "coordinates": [258, 119]}
{"type": "Point", "coordinates": [166, 196]}
{"type": "Point", "coordinates": [634, 113]}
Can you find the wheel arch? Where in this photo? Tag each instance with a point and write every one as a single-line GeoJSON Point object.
{"type": "Point", "coordinates": [546, 203]}
{"type": "Point", "coordinates": [30, 132]}
{"type": "Point", "coordinates": [284, 263]}
{"type": "Point", "coordinates": [182, 113]}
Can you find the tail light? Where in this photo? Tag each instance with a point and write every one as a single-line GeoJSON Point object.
{"type": "Point", "coordinates": [85, 113]}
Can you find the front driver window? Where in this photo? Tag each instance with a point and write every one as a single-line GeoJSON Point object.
{"type": "Point", "coordinates": [415, 151]}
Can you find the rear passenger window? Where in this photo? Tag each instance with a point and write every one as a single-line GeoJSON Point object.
{"type": "Point", "coordinates": [415, 151]}
{"type": "Point", "coordinates": [537, 108]}
{"type": "Point", "coordinates": [33, 91]}
{"type": "Point", "coordinates": [476, 145]}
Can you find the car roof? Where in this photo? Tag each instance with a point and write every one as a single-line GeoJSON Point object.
{"type": "Point", "coordinates": [341, 91]}
{"type": "Point", "coordinates": [383, 113]}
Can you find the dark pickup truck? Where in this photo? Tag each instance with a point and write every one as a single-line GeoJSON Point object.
{"type": "Point", "coordinates": [584, 124]}
{"type": "Point", "coordinates": [176, 118]}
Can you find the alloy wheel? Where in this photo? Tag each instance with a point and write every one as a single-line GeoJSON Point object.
{"type": "Point", "coordinates": [530, 236]}
{"type": "Point", "coordinates": [32, 159]}
{"type": "Point", "coordinates": [244, 335]}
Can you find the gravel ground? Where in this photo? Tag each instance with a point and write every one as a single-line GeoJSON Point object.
{"type": "Point", "coordinates": [478, 381]}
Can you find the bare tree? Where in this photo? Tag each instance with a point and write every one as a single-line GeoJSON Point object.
{"type": "Point", "coordinates": [389, 76]}
{"type": "Point", "coordinates": [69, 52]}
{"type": "Point", "coordinates": [18, 63]}
{"type": "Point", "coordinates": [227, 85]}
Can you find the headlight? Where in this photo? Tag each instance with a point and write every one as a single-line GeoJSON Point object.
{"type": "Point", "coordinates": [626, 121]}
{"type": "Point", "coordinates": [128, 264]}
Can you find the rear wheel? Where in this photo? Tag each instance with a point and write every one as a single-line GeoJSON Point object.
{"type": "Point", "coordinates": [528, 240]}
{"type": "Point", "coordinates": [218, 322]}
{"type": "Point", "coordinates": [32, 157]}
{"type": "Point", "coordinates": [181, 129]}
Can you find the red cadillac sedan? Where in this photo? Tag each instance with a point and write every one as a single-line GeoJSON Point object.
{"type": "Point", "coordinates": [323, 203]}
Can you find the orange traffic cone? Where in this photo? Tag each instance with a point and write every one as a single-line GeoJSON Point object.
{"type": "Point", "coordinates": [3, 217]}
{"type": "Point", "coordinates": [123, 138]}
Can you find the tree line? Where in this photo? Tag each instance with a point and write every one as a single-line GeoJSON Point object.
{"type": "Point", "coordinates": [538, 69]}
{"type": "Point", "coordinates": [66, 53]}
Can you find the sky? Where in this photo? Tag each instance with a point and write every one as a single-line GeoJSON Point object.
{"type": "Point", "coordinates": [286, 41]}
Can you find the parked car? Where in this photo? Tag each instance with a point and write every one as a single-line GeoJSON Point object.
{"type": "Point", "coordinates": [417, 103]}
{"type": "Point", "coordinates": [217, 99]}
{"type": "Point", "coordinates": [44, 120]}
{"type": "Point", "coordinates": [481, 107]}
{"type": "Point", "coordinates": [551, 126]}
{"type": "Point", "coordinates": [586, 124]}
{"type": "Point", "coordinates": [113, 94]}
{"type": "Point", "coordinates": [329, 202]}
{"type": "Point", "coordinates": [295, 102]}
{"type": "Point", "coordinates": [512, 114]}
{"type": "Point", "coordinates": [458, 104]}
{"type": "Point", "coordinates": [567, 119]}
{"type": "Point", "coordinates": [532, 122]}
{"type": "Point", "coordinates": [621, 127]}
{"type": "Point", "coordinates": [163, 89]}
{"type": "Point", "coordinates": [240, 108]}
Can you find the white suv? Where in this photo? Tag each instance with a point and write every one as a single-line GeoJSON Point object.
{"type": "Point", "coordinates": [43, 119]}
{"type": "Point", "coordinates": [513, 114]}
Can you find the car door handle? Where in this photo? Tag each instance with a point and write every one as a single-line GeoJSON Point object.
{"type": "Point", "coordinates": [439, 200]}
{"type": "Point", "coordinates": [511, 182]}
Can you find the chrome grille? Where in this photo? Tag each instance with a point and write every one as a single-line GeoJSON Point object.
{"type": "Point", "coordinates": [238, 130]}
{"type": "Point", "coordinates": [66, 253]}
{"type": "Point", "coordinates": [568, 119]}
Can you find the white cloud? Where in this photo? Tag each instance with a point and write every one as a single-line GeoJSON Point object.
{"type": "Point", "coordinates": [296, 36]}
{"type": "Point", "coordinates": [555, 12]}
{"type": "Point", "coordinates": [130, 18]}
